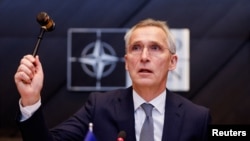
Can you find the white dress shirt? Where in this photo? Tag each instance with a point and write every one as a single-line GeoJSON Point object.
{"type": "Point", "coordinates": [27, 111]}
{"type": "Point", "coordinates": [157, 114]}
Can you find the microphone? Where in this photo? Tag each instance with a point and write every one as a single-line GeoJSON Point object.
{"type": "Point", "coordinates": [121, 136]}
{"type": "Point", "coordinates": [45, 21]}
{"type": "Point", "coordinates": [47, 24]}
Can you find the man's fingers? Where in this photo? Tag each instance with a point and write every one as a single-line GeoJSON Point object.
{"type": "Point", "coordinates": [28, 63]}
{"type": "Point", "coordinates": [22, 77]}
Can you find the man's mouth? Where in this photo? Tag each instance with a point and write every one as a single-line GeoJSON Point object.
{"type": "Point", "coordinates": [145, 71]}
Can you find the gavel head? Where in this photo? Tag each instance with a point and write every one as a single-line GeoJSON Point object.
{"type": "Point", "coordinates": [45, 21]}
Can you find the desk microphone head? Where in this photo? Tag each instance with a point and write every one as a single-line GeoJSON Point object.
{"type": "Point", "coordinates": [121, 136]}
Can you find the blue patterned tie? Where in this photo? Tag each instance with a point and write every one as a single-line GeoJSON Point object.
{"type": "Point", "coordinates": [147, 131]}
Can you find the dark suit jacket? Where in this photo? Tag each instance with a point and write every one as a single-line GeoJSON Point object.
{"type": "Point", "coordinates": [113, 112]}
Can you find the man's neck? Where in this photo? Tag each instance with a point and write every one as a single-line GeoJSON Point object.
{"type": "Point", "coordinates": [149, 93]}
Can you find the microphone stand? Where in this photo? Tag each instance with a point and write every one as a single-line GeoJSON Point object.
{"type": "Point", "coordinates": [40, 37]}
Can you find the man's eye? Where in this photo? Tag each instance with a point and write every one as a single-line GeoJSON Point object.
{"type": "Point", "coordinates": [155, 48]}
{"type": "Point", "coordinates": [136, 48]}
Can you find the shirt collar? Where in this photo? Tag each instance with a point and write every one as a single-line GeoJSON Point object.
{"type": "Point", "coordinates": [158, 102]}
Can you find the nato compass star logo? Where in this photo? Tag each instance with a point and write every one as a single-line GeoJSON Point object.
{"type": "Point", "coordinates": [95, 59]}
{"type": "Point", "coordinates": [98, 55]}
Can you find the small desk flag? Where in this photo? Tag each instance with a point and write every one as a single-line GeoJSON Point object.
{"type": "Point", "coordinates": [90, 135]}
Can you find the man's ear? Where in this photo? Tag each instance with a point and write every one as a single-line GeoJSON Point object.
{"type": "Point", "coordinates": [173, 62]}
{"type": "Point", "coordinates": [125, 58]}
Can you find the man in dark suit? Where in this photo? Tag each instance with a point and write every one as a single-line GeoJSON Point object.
{"type": "Point", "coordinates": [150, 55]}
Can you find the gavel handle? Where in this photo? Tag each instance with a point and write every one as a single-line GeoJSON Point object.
{"type": "Point", "coordinates": [40, 37]}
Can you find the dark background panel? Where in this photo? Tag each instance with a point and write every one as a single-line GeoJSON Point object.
{"type": "Point", "coordinates": [219, 51]}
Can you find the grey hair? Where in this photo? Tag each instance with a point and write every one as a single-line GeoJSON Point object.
{"type": "Point", "coordinates": [156, 23]}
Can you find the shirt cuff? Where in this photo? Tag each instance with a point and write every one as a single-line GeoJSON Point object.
{"type": "Point", "coordinates": [27, 111]}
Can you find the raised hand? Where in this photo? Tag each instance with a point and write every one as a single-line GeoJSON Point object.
{"type": "Point", "coordinates": [29, 79]}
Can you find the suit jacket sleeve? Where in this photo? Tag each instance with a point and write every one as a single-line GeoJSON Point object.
{"type": "Point", "coordinates": [74, 128]}
{"type": "Point", "coordinates": [34, 129]}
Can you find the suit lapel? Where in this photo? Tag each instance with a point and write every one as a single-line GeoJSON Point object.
{"type": "Point", "coordinates": [125, 114]}
{"type": "Point", "coordinates": [173, 118]}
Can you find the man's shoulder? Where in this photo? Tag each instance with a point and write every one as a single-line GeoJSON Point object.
{"type": "Point", "coordinates": [187, 104]}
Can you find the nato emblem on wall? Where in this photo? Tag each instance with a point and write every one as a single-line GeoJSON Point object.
{"type": "Point", "coordinates": [95, 60]}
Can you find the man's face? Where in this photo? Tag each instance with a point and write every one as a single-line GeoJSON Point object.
{"type": "Point", "coordinates": [148, 59]}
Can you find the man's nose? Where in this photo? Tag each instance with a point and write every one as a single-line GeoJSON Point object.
{"type": "Point", "coordinates": [145, 53]}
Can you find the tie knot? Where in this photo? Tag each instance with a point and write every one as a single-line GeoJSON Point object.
{"type": "Point", "coordinates": [147, 109]}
